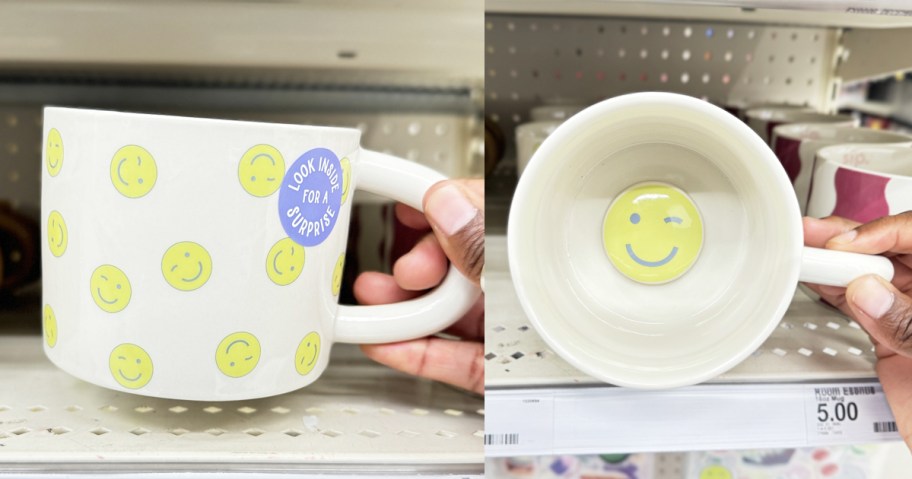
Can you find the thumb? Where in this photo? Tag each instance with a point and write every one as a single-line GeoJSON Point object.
{"type": "Point", "coordinates": [455, 210]}
{"type": "Point", "coordinates": [883, 311]}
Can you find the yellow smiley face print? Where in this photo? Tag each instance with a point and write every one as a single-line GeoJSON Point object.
{"type": "Point", "coordinates": [285, 261]}
{"type": "Point", "coordinates": [337, 275]}
{"type": "Point", "coordinates": [133, 171]}
{"type": "Point", "coordinates": [346, 177]}
{"type": "Point", "coordinates": [130, 366]}
{"type": "Point", "coordinates": [186, 266]}
{"type": "Point", "coordinates": [237, 354]}
{"type": "Point", "coordinates": [57, 234]}
{"type": "Point", "coordinates": [110, 288]}
{"type": "Point", "coordinates": [50, 326]}
{"type": "Point", "coordinates": [308, 353]}
{"type": "Point", "coordinates": [652, 233]}
{"type": "Point", "coordinates": [260, 170]}
{"type": "Point", "coordinates": [53, 152]}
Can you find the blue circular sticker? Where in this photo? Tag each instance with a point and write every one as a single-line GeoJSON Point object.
{"type": "Point", "coordinates": [310, 197]}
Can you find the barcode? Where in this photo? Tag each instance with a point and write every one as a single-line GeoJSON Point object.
{"type": "Point", "coordinates": [501, 439]}
{"type": "Point", "coordinates": [886, 426]}
{"type": "Point", "coordinates": [859, 391]}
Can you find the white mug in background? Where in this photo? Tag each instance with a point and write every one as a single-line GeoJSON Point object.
{"type": "Point", "coordinates": [796, 146]}
{"type": "Point", "coordinates": [861, 182]}
{"type": "Point", "coordinates": [529, 136]}
{"type": "Point", "coordinates": [201, 259]}
{"type": "Point", "coordinates": [637, 234]}
{"type": "Point", "coordinates": [763, 120]}
{"type": "Point", "coordinates": [739, 108]}
{"type": "Point", "coordinates": [554, 112]}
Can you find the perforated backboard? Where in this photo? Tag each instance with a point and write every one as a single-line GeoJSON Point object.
{"type": "Point", "coordinates": [531, 60]}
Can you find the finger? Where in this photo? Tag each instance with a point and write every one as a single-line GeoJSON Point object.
{"type": "Point", "coordinates": [421, 268]}
{"type": "Point", "coordinates": [455, 210]}
{"type": "Point", "coordinates": [471, 325]}
{"type": "Point", "coordinates": [378, 288]}
{"type": "Point", "coordinates": [459, 363]}
{"type": "Point", "coordinates": [887, 234]}
{"type": "Point", "coordinates": [883, 311]}
{"type": "Point", "coordinates": [893, 372]}
{"type": "Point", "coordinates": [833, 295]}
{"type": "Point", "coordinates": [411, 217]}
{"type": "Point", "coordinates": [818, 231]}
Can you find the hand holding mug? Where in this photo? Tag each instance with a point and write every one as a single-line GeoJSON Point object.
{"type": "Point", "coordinates": [883, 308]}
{"type": "Point", "coordinates": [454, 210]}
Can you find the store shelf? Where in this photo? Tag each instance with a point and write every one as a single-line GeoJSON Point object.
{"type": "Point", "coordinates": [864, 55]}
{"type": "Point", "coordinates": [825, 13]}
{"type": "Point", "coordinates": [766, 401]}
{"type": "Point", "coordinates": [360, 418]}
{"type": "Point", "coordinates": [414, 44]}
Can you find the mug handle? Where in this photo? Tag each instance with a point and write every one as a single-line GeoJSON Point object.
{"type": "Point", "coordinates": [407, 182]}
{"type": "Point", "coordinates": [839, 268]}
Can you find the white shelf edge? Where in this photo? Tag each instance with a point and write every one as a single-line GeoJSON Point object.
{"type": "Point", "coordinates": [347, 399]}
{"type": "Point", "coordinates": [703, 417]}
{"type": "Point", "coordinates": [806, 13]}
{"type": "Point", "coordinates": [338, 42]}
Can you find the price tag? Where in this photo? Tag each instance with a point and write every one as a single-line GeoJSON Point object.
{"type": "Point", "coordinates": [859, 412]}
{"type": "Point", "coordinates": [517, 424]}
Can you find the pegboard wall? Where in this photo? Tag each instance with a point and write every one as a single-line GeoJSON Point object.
{"type": "Point", "coordinates": [534, 60]}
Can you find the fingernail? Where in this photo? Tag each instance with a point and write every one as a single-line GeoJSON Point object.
{"type": "Point", "coordinates": [872, 297]}
{"type": "Point", "coordinates": [845, 238]}
{"type": "Point", "coordinates": [449, 209]}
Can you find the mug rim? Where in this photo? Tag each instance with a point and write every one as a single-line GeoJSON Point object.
{"type": "Point", "coordinates": [788, 115]}
{"type": "Point", "coordinates": [755, 105]}
{"type": "Point", "coordinates": [525, 192]}
{"type": "Point", "coordinates": [525, 127]}
{"type": "Point", "coordinates": [826, 154]}
{"type": "Point", "coordinates": [789, 131]}
{"type": "Point", "coordinates": [193, 119]}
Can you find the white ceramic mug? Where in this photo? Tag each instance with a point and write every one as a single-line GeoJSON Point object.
{"type": "Point", "coordinates": [861, 182]}
{"type": "Point", "coordinates": [796, 146]}
{"type": "Point", "coordinates": [763, 120]}
{"type": "Point", "coordinates": [639, 230]}
{"type": "Point", "coordinates": [740, 107]}
{"type": "Point", "coordinates": [202, 259]}
{"type": "Point", "coordinates": [554, 112]}
{"type": "Point", "coordinates": [529, 136]}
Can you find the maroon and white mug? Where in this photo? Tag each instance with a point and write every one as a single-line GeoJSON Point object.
{"type": "Point", "coordinates": [861, 182]}
{"type": "Point", "coordinates": [763, 120]}
{"type": "Point", "coordinates": [796, 146]}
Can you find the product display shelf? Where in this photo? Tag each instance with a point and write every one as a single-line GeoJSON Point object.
{"type": "Point", "coordinates": [417, 44]}
{"type": "Point", "coordinates": [540, 404]}
{"type": "Point", "coordinates": [358, 419]}
{"type": "Point", "coordinates": [833, 13]}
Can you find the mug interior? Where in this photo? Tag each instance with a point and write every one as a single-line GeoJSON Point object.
{"type": "Point", "coordinates": [683, 331]}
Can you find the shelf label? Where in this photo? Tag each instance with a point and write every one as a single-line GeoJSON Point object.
{"type": "Point", "coordinates": [517, 423]}
{"type": "Point", "coordinates": [838, 412]}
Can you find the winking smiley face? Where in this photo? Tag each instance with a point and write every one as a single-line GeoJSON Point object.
{"type": "Point", "coordinates": [652, 233]}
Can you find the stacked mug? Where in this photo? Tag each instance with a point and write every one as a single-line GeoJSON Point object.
{"type": "Point", "coordinates": [798, 147]}
{"type": "Point", "coordinates": [545, 119]}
